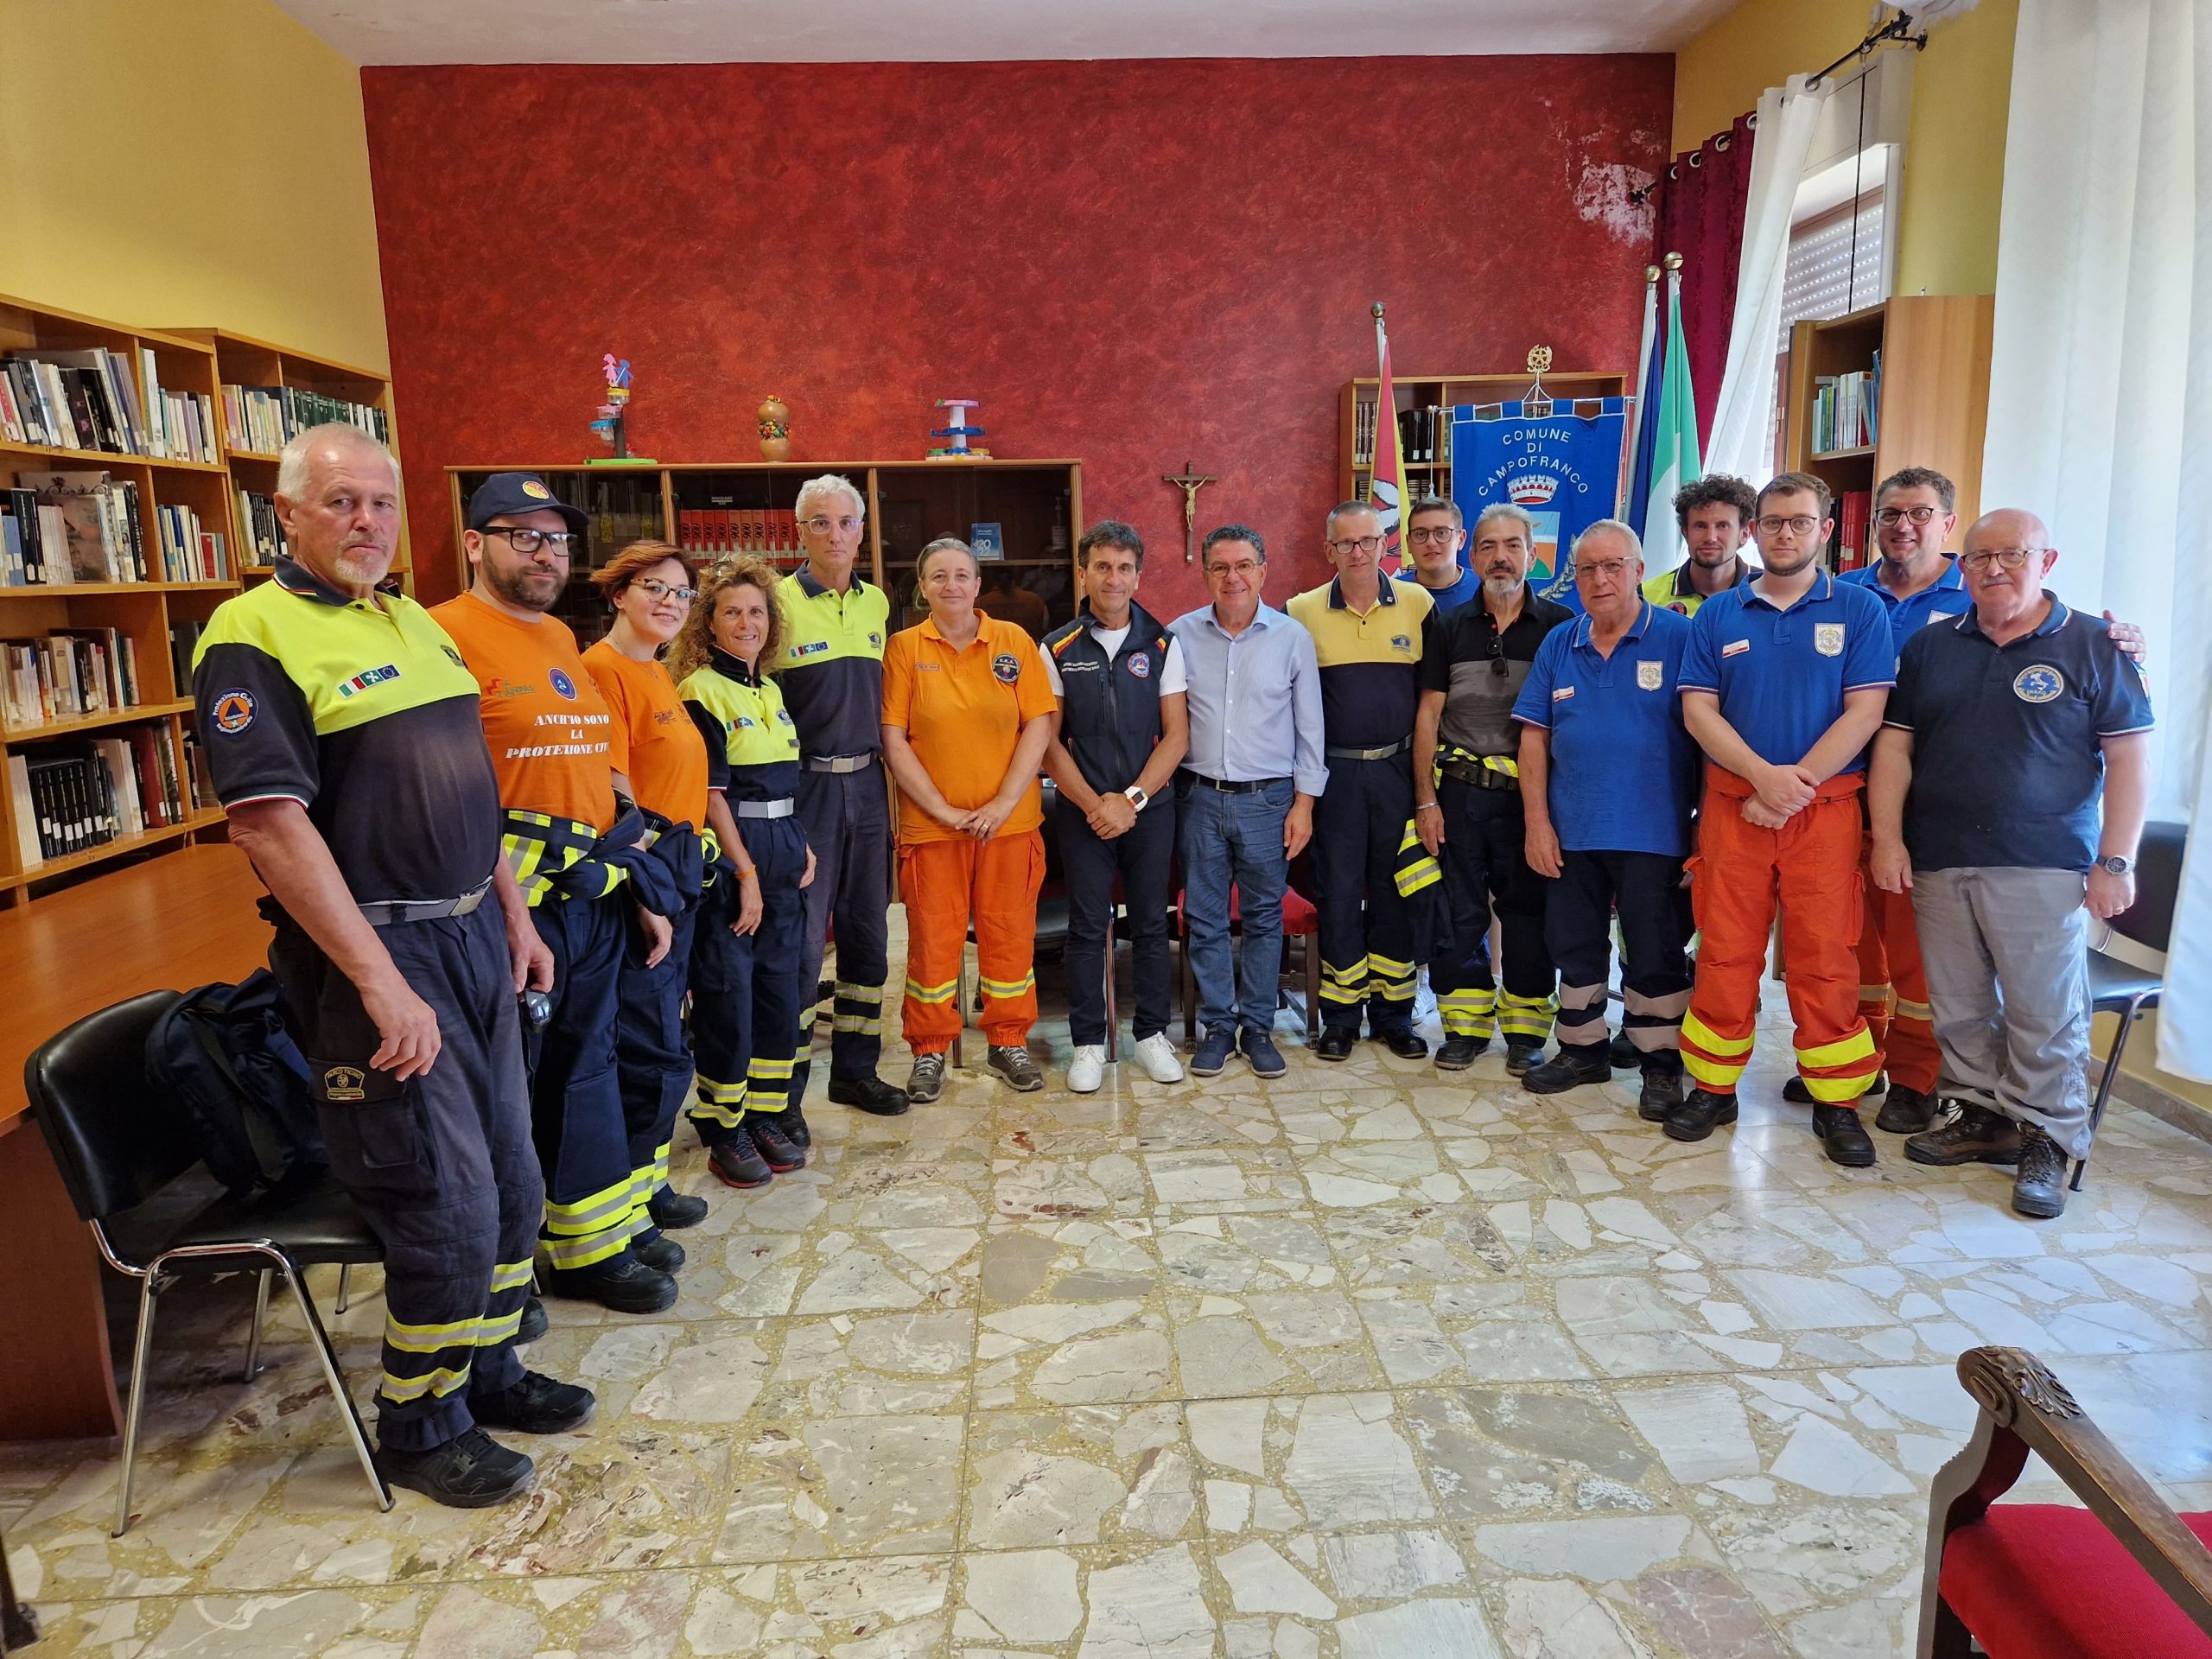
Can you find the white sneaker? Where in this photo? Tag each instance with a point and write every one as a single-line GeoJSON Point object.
{"type": "Point", "coordinates": [1158, 1057]}
{"type": "Point", "coordinates": [1088, 1069]}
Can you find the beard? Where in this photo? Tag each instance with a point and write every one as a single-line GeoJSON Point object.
{"type": "Point", "coordinates": [526, 589]}
{"type": "Point", "coordinates": [1501, 588]}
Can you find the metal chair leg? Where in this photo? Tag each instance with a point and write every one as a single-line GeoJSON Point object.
{"type": "Point", "coordinates": [355, 1434]}
{"type": "Point", "coordinates": [149, 1289]}
{"type": "Point", "coordinates": [2104, 1088]}
{"type": "Point", "coordinates": [345, 1286]}
{"type": "Point", "coordinates": [260, 1319]}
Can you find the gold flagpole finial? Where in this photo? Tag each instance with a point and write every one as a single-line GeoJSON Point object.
{"type": "Point", "coordinates": [1539, 359]}
{"type": "Point", "coordinates": [1651, 273]}
{"type": "Point", "coordinates": [1673, 262]}
{"type": "Point", "coordinates": [1378, 310]}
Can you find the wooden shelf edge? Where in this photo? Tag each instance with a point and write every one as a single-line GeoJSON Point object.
{"type": "Point", "coordinates": [809, 467]}
{"type": "Point", "coordinates": [78, 458]}
{"type": "Point", "coordinates": [11, 736]}
{"type": "Point", "coordinates": [89, 589]}
{"type": "Point", "coordinates": [205, 818]}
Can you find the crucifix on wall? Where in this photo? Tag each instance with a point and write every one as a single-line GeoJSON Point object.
{"type": "Point", "coordinates": [1190, 483]}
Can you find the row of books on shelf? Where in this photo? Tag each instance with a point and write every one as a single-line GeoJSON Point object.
{"type": "Point", "coordinates": [88, 400]}
{"type": "Point", "coordinates": [70, 798]}
{"type": "Point", "coordinates": [1854, 530]}
{"type": "Point", "coordinates": [268, 418]}
{"type": "Point", "coordinates": [69, 675]}
{"type": "Point", "coordinates": [58, 529]}
{"type": "Point", "coordinates": [1424, 433]}
{"type": "Point", "coordinates": [261, 539]}
{"type": "Point", "coordinates": [1847, 409]}
{"type": "Point", "coordinates": [711, 530]}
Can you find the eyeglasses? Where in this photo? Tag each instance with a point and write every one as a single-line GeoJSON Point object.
{"type": "Point", "coordinates": [1887, 516]}
{"type": "Point", "coordinates": [2011, 557]}
{"type": "Point", "coordinates": [1443, 535]}
{"type": "Point", "coordinates": [1606, 568]}
{"type": "Point", "coordinates": [822, 525]}
{"type": "Point", "coordinates": [562, 542]}
{"type": "Point", "coordinates": [1364, 544]}
{"type": "Point", "coordinates": [661, 590]}
{"type": "Point", "coordinates": [1800, 526]}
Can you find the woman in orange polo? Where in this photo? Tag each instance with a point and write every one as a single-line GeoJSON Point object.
{"type": "Point", "coordinates": [651, 741]}
{"type": "Point", "coordinates": [967, 712]}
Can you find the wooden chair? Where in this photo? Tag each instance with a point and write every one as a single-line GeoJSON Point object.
{"type": "Point", "coordinates": [2124, 1579]}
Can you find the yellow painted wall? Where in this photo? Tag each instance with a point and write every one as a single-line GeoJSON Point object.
{"type": "Point", "coordinates": [189, 162]}
{"type": "Point", "coordinates": [1954, 146]}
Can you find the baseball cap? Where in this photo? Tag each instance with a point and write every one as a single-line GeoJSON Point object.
{"type": "Point", "coordinates": [515, 492]}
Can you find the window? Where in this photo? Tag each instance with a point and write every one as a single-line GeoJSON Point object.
{"type": "Point", "coordinates": [1835, 264]}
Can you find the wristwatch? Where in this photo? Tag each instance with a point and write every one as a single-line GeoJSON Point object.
{"type": "Point", "coordinates": [1137, 797]}
{"type": "Point", "coordinates": [2115, 865]}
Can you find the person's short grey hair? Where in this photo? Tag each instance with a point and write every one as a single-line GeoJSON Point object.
{"type": "Point", "coordinates": [1611, 527]}
{"type": "Point", "coordinates": [1345, 509]}
{"type": "Point", "coordinates": [296, 460]}
{"type": "Point", "coordinates": [817, 490]}
{"type": "Point", "coordinates": [944, 545]}
{"type": "Point", "coordinates": [1520, 516]}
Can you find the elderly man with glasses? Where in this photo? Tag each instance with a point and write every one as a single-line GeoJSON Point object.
{"type": "Point", "coordinates": [1368, 637]}
{"type": "Point", "coordinates": [1467, 804]}
{"type": "Point", "coordinates": [2008, 730]}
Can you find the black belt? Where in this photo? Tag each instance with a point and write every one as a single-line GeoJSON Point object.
{"type": "Point", "coordinates": [1479, 776]}
{"type": "Point", "coordinates": [1247, 786]}
{"type": "Point", "coordinates": [1383, 753]}
{"type": "Point", "coordinates": [837, 762]}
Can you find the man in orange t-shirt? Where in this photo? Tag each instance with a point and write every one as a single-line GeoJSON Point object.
{"type": "Point", "coordinates": [548, 729]}
{"type": "Point", "coordinates": [967, 713]}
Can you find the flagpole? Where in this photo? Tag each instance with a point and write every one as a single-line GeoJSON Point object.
{"type": "Point", "coordinates": [1386, 481]}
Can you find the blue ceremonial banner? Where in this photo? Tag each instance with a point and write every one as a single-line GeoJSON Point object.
{"type": "Point", "coordinates": [1564, 467]}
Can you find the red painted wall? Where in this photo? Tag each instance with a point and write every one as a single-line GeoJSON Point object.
{"type": "Point", "coordinates": [1129, 262]}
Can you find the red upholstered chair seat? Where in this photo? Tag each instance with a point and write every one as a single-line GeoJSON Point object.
{"type": "Point", "coordinates": [2040, 1581]}
{"type": "Point", "coordinates": [1298, 915]}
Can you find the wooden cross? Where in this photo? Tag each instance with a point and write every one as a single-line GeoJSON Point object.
{"type": "Point", "coordinates": [1190, 483]}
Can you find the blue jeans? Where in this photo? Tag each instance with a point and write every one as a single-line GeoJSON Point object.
{"type": "Point", "coordinates": [1235, 840]}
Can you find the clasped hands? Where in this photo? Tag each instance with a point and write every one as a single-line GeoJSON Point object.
{"type": "Point", "coordinates": [980, 822]}
{"type": "Point", "coordinates": [1779, 794]}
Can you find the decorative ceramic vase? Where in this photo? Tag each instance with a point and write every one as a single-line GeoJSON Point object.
{"type": "Point", "coordinates": [775, 429]}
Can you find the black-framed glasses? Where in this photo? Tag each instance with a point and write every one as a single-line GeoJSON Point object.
{"type": "Point", "coordinates": [660, 589]}
{"type": "Point", "coordinates": [1363, 544]}
{"type": "Point", "coordinates": [1802, 524]}
{"type": "Point", "coordinates": [1443, 535]}
{"type": "Point", "coordinates": [1887, 516]}
{"type": "Point", "coordinates": [562, 542]}
{"type": "Point", "coordinates": [2012, 558]}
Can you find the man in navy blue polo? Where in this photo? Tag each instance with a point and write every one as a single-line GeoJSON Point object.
{"type": "Point", "coordinates": [1783, 685]}
{"type": "Point", "coordinates": [2005, 728]}
{"type": "Point", "coordinates": [1435, 534]}
{"type": "Point", "coordinates": [1608, 781]}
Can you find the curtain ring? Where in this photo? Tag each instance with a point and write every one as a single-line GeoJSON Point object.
{"type": "Point", "coordinates": [1696, 157]}
{"type": "Point", "coordinates": [1752, 120]}
{"type": "Point", "coordinates": [1674, 172]}
{"type": "Point", "coordinates": [1723, 141]}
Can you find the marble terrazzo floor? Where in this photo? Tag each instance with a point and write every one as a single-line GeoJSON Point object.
{"type": "Point", "coordinates": [1364, 1363]}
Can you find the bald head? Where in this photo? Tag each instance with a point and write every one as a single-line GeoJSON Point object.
{"type": "Point", "coordinates": [2008, 553]}
{"type": "Point", "coordinates": [2008, 527]}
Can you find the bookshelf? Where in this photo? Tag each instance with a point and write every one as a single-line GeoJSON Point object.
{"type": "Point", "coordinates": [1037, 504]}
{"type": "Point", "coordinates": [127, 620]}
{"type": "Point", "coordinates": [1933, 408]}
{"type": "Point", "coordinates": [244, 362]}
{"type": "Point", "coordinates": [1417, 393]}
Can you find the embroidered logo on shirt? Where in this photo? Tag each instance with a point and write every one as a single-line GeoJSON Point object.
{"type": "Point", "coordinates": [1007, 667]}
{"type": "Point", "coordinates": [2038, 684]}
{"type": "Point", "coordinates": [1561, 692]}
{"type": "Point", "coordinates": [1828, 638]}
{"type": "Point", "coordinates": [1401, 642]}
{"type": "Point", "coordinates": [875, 640]}
{"type": "Point", "coordinates": [815, 647]}
{"type": "Point", "coordinates": [1735, 647]}
{"type": "Point", "coordinates": [1141, 666]}
{"type": "Point", "coordinates": [1650, 675]}
{"type": "Point", "coordinates": [234, 711]}
{"type": "Point", "coordinates": [563, 684]}
{"type": "Point", "coordinates": [453, 655]}
{"type": "Point", "coordinates": [344, 1083]}
{"type": "Point", "coordinates": [363, 681]}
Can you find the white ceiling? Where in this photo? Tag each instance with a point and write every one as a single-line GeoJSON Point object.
{"type": "Point", "coordinates": [973, 31]}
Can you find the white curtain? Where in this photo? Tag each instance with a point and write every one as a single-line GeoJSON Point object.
{"type": "Point", "coordinates": [1744, 413]}
{"type": "Point", "coordinates": [2101, 381]}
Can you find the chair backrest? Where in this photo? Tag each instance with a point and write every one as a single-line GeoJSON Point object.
{"type": "Point", "coordinates": [113, 1145]}
{"type": "Point", "coordinates": [2150, 920]}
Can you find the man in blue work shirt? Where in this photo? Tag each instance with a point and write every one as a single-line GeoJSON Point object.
{"type": "Point", "coordinates": [2008, 729]}
{"type": "Point", "coordinates": [1244, 800]}
{"type": "Point", "coordinates": [1608, 782]}
{"type": "Point", "coordinates": [1434, 534]}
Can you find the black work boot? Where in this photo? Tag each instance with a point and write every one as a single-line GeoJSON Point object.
{"type": "Point", "coordinates": [1699, 1116]}
{"type": "Point", "coordinates": [2039, 1184]}
{"type": "Point", "coordinates": [870, 1094]}
{"type": "Point", "coordinates": [791, 1123]}
{"type": "Point", "coordinates": [622, 1283]}
{"type": "Point", "coordinates": [672, 1212]}
{"type": "Point", "coordinates": [1404, 1042]}
{"type": "Point", "coordinates": [1574, 1065]}
{"type": "Point", "coordinates": [1907, 1111]}
{"type": "Point", "coordinates": [1661, 1097]}
{"type": "Point", "coordinates": [1521, 1054]}
{"type": "Point", "coordinates": [1622, 1053]}
{"type": "Point", "coordinates": [661, 1254]}
{"type": "Point", "coordinates": [1843, 1136]}
{"type": "Point", "coordinates": [1972, 1134]}
{"type": "Point", "coordinates": [534, 1322]}
{"type": "Point", "coordinates": [470, 1471]}
{"type": "Point", "coordinates": [535, 1405]}
{"type": "Point", "coordinates": [1457, 1053]}
{"type": "Point", "coordinates": [1336, 1042]}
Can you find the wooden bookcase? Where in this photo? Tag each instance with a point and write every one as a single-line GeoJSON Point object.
{"type": "Point", "coordinates": [1934, 408]}
{"type": "Point", "coordinates": [1038, 503]}
{"type": "Point", "coordinates": [1355, 461]}
{"type": "Point", "coordinates": [142, 611]}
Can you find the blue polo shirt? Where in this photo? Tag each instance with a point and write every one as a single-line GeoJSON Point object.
{"type": "Point", "coordinates": [1458, 592]}
{"type": "Point", "coordinates": [1780, 676]}
{"type": "Point", "coordinates": [2008, 766]}
{"type": "Point", "coordinates": [1623, 772]}
{"type": "Point", "coordinates": [1946, 596]}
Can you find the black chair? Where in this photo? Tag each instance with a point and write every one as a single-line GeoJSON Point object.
{"type": "Point", "coordinates": [118, 1150]}
{"type": "Point", "coordinates": [2121, 987]}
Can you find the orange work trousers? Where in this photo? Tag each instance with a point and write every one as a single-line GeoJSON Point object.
{"type": "Point", "coordinates": [1810, 867]}
{"type": "Point", "coordinates": [1893, 987]}
{"type": "Point", "coordinates": [946, 884]}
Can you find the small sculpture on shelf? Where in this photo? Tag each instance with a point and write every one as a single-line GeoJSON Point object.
{"type": "Point", "coordinates": [958, 430]}
{"type": "Point", "coordinates": [613, 413]}
{"type": "Point", "coordinates": [775, 429]}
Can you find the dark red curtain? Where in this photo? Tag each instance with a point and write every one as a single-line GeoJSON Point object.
{"type": "Point", "coordinates": [1701, 218]}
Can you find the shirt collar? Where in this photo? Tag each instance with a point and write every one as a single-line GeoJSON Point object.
{"type": "Point", "coordinates": [1585, 625]}
{"type": "Point", "coordinates": [814, 589]}
{"type": "Point", "coordinates": [1261, 617]}
{"type": "Point", "coordinates": [1683, 589]}
{"type": "Point", "coordinates": [982, 630]}
{"type": "Point", "coordinates": [1970, 623]}
{"type": "Point", "coordinates": [730, 666]}
{"type": "Point", "coordinates": [1820, 590]}
{"type": "Point", "coordinates": [1337, 592]}
{"type": "Point", "coordinates": [295, 578]}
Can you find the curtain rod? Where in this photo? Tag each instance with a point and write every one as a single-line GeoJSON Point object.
{"type": "Point", "coordinates": [1899, 28]}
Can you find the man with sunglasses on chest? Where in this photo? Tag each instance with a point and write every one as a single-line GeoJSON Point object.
{"type": "Point", "coordinates": [1467, 802]}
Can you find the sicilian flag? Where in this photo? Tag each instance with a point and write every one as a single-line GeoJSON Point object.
{"type": "Point", "coordinates": [1385, 491]}
{"type": "Point", "coordinates": [1666, 438]}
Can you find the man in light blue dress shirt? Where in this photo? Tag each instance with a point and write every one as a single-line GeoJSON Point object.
{"type": "Point", "coordinates": [1245, 797]}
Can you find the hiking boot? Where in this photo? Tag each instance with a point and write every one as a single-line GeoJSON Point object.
{"type": "Point", "coordinates": [1012, 1061]}
{"type": "Point", "coordinates": [774, 1147]}
{"type": "Point", "coordinates": [1213, 1052]}
{"type": "Point", "coordinates": [1404, 1042]}
{"type": "Point", "coordinates": [870, 1094]}
{"type": "Point", "coordinates": [470, 1471]}
{"type": "Point", "coordinates": [736, 1162]}
{"type": "Point", "coordinates": [1087, 1068]}
{"type": "Point", "coordinates": [1573, 1065]}
{"type": "Point", "coordinates": [534, 1322]}
{"type": "Point", "coordinates": [1157, 1059]}
{"type": "Point", "coordinates": [622, 1282]}
{"type": "Point", "coordinates": [536, 1405]}
{"type": "Point", "coordinates": [1907, 1111]}
{"type": "Point", "coordinates": [1458, 1054]}
{"type": "Point", "coordinates": [672, 1212]}
{"type": "Point", "coordinates": [661, 1254]}
{"type": "Point", "coordinates": [1660, 1098]}
{"type": "Point", "coordinates": [1843, 1136]}
{"type": "Point", "coordinates": [1797, 1094]}
{"type": "Point", "coordinates": [1699, 1116]}
{"type": "Point", "coordinates": [926, 1082]}
{"type": "Point", "coordinates": [1335, 1043]}
{"type": "Point", "coordinates": [1259, 1049]}
{"type": "Point", "coordinates": [2039, 1184]}
{"type": "Point", "coordinates": [1972, 1134]}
